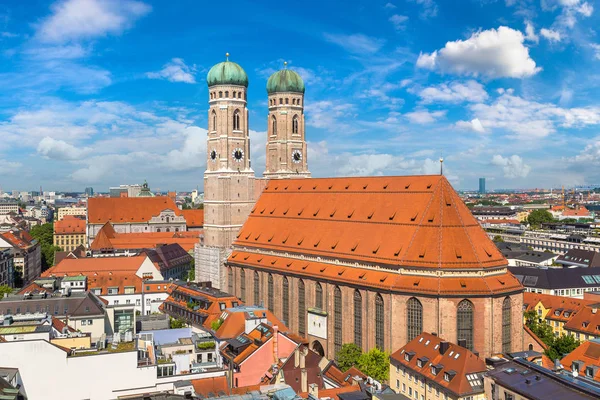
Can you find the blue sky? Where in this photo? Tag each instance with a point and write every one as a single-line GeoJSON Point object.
{"type": "Point", "coordinates": [100, 93]}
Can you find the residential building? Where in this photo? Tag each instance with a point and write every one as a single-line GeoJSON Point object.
{"type": "Point", "coordinates": [8, 206]}
{"type": "Point", "coordinates": [10, 384]}
{"type": "Point", "coordinates": [320, 249]}
{"type": "Point", "coordinates": [27, 254]}
{"type": "Point", "coordinates": [73, 210]}
{"type": "Point", "coordinates": [493, 212]}
{"type": "Point", "coordinates": [585, 323]}
{"type": "Point", "coordinates": [584, 361]}
{"type": "Point", "coordinates": [173, 261]}
{"type": "Point", "coordinates": [69, 232]}
{"type": "Point", "coordinates": [521, 379]}
{"type": "Point", "coordinates": [429, 365]}
{"type": "Point", "coordinates": [575, 258]}
{"type": "Point", "coordinates": [555, 310]}
{"type": "Point", "coordinates": [481, 185]}
{"type": "Point", "coordinates": [125, 190]}
{"type": "Point", "coordinates": [577, 213]}
{"type": "Point", "coordinates": [556, 242]}
{"type": "Point", "coordinates": [7, 267]}
{"type": "Point", "coordinates": [568, 282]}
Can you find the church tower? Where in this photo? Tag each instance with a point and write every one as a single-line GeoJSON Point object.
{"type": "Point", "coordinates": [229, 178]}
{"type": "Point", "coordinates": [286, 143]}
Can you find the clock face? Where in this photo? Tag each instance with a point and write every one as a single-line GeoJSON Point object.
{"type": "Point", "coordinates": [297, 156]}
{"type": "Point", "coordinates": [213, 155]}
{"type": "Point", "coordinates": [238, 155]}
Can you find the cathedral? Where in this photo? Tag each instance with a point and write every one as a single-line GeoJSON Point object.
{"type": "Point", "coordinates": [370, 260]}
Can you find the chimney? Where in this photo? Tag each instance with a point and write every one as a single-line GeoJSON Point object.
{"type": "Point", "coordinates": [462, 342]}
{"type": "Point", "coordinates": [275, 348]}
{"type": "Point", "coordinates": [444, 346]}
{"type": "Point", "coordinates": [313, 389]}
{"type": "Point", "coordinates": [304, 380]}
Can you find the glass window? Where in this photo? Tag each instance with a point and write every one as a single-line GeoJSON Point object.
{"type": "Point", "coordinates": [337, 320]}
{"type": "Point", "coordinates": [243, 285]}
{"type": "Point", "coordinates": [286, 301]}
{"type": "Point", "coordinates": [230, 280]}
{"type": "Point", "coordinates": [270, 293]}
{"type": "Point", "coordinates": [274, 125]}
{"type": "Point", "coordinates": [506, 326]}
{"type": "Point", "coordinates": [318, 296]}
{"type": "Point", "coordinates": [379, 322]}
{"type": "Point", "coordinates": [414, 318]}
{"type": "Point", "coordinates": [464, 323]}
{"type": "Point", "coordinates": [256, 288]}
{"type": "Point", "coordinates": [301, 308]}
{"type": "Point", "coordinates": [357, 318]}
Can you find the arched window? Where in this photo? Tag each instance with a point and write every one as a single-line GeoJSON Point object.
{"type": "Point", "coordinates": [295, 124]}
{"type": "Point", "coordinates": [220, 95]}
{"type": "Point", "coordinates": [168, 230]}
{"type": "Point", "coordinates": [286, 301]}
{"type": "Point", "coordinates": [318, 296]}
{"type": "Point", "coordinates": [506, 326]}
{"type": "Point", "coordinates": [227, 94]}
{"type": "Point", "coordinates": [414, 318]}
{"type": "Point", "coordinates": [337, 320]}
{"type": "Point", "coordinates": [464, 323]}
{"type": "Point", "coordinates": [357, 318]}
{"type": "Point", "coordinates": [234, 94]}
{"type": "Point", "coordinates": [379, 322]}
{"type": "Point", "coordinates": [270, 293]}
{"type": "Point", "coordinates": [158, 230]}
{"type": "Point", "coordinates": [214, 120]}
{"type": "Point", "coordinates": [256, 288]}
{"type": "Point", "coordinates": [293, 102]}
{"type": "Point", "coordinates": [242, 285]}
{"type": "Point", "coordinates": [236, 120]}
{"type": "Point", "coordinates": [230, 280]}
{"type": "Point", "coordinates": [280, 100]}
{"type": "Point", "coordinates": [287, 100]}
{"type": "Point", "coordinates": [274, 125]}
{"type": "Point", "coordinates": [301, 309]}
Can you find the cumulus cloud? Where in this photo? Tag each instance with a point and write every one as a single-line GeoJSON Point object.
{"type": "Point", "coordinates": [84, 19]}
{"type": "Point", "coordinates": [356, 43]}
{"type": "Point", "coordinates": [60, 150]}
{"type": "Point", "coordinates": [331, 116]}
{"type": "Point", "coordinates": [494, 53]}
{"type": "Point", "coordinates": [423, 116]}
{"type": "Point", "coordinates": [513, 166]}
{"type": "Point", "coordinates": [553, 36]}
{"type": "Point", "coordinates": [399, 21]}
{"type": "Point", "coordinates": [473, 125]}
{"type": "Point", "coordinates": [175, 71]}
{"type": "Point", "coordinates": [454, 92]}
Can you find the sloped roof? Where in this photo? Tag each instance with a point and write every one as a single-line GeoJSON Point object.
{"type": "Point", "coordinates": [108, 239]}
{"type": "Point", "coordinates": [576, 212]}
{"type": "Point", "coordinates": [128, 209]}
{"type": "Point", "coordinates": [588, 353]}
{"type": "Point", "coordinates": [535, 337]}
{"type": "Point", "coordinates": [193, 218]}
{"type": "Point", "coordinates": [18, 238]}
{"type": "Point", "coordinates": [586, 320]}
{"type": "Point", "coordinates": [211, 387]}
{"type": "Point", "coordinates": [456, 358]}
{"type": "Point", "coordinates": [400, 221]}
{"type": "Point", "coordinates": [89, 264]}
{"type": "Point", "coordinates": [69, 225]}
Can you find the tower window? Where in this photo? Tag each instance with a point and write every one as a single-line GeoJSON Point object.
{"type": "Point", "coordinates": [256, 287]}
{"type": "Point", "coordinates": [236, 120]}
{"type": "Point", "coordinates": [274, 123]}
{"type": "Point", "coordinates": [287, 101]}
{"type": "Point", "coordinates": [318, 296]}
{"type": "Point", "coordinates": [414, 317]}
{"type": "Point", "coordinates": [220, 94]}
{"type": "Point", "coordinates": [357, 318]}
{"type": "Point", "coordinates": [243, 285]}
{"type": "Point", "coordinates": [506, 326]}
{"type": "Point", "coordinates": [286, 301]}
{"type": "Point", "coordinates": [281, 101]}
{"type": "Point", "coordinates": [295, 124]}
{"type": "Point", "coordinates": [214, 120]}
{"type": "Point", "coordinates": [234, 94]}
{"type": "Point", "coordinates": [227, 94]}
{"type": "Point", "coordinates": [293, 101]}
{"type": "Point", "coordinates": [270, 293]}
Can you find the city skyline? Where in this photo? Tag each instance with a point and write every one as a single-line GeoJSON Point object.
{"type": "Point", "coordinates": [106, 93]}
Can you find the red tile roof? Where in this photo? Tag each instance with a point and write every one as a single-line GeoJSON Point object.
{"type": "Point", "coordinates": [128, 209]}
{"type": "Point", "coordinates": [588, 353]}
{"type": "Point", "coordinates": [456, 358]}
{"type": "Point", "coordinates": [20, 239]}
{"type": "Point", "coordinates": [586, 320]}
{"type": "Point", "coordinates": [535, 337]}
{"type": "Point", "coordinates": [576, 212]}
{"type": "Point", "coordinates": [412, 221]}
{"type": "Point", "coordinates": [107, 238]}
{"type": "Point", "coordinates": [193, 218]}
{"type": "Point", "coordinates": [215, 386]}
{"type": "Point", "coordinates": [101, 264]}
{"type": "Point", "coordinates": [69, 225]}
{"type": "Point", "coordinates": [332, 393]}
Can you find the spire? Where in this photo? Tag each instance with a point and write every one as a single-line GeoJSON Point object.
{"type": "Point", "coordinates": [285, 65]}
{"type": "Point", "coordinates": [226, 56]}
{"type": "Point", "coordinates": [441, 165]}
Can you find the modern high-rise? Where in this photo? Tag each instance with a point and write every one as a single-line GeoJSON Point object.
{"type": "Point", "coordinates": [89, 191]}
{"type": "Point", "coordinates": [481, 185]}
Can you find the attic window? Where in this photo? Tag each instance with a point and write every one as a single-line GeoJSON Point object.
{"type": "Point", "coordinates": [351, 214]}
{"type": "Point", "coordinates": [392, 216]}
{"type": "Point", "coordinates": [429, 185]}
{"type": "Point", "coordinates": [285, 188]}
{"type": "Point", "coordinates": [273, 262]}
{"type": "Point", "coordinates": [299, 187]}
{"type": "Point", "coordinates": [364, 187]}
{"type": "Point", "coordinates": [271, 238]}
{"type": "Point", "coordinates": [276, 187]}
{"type": "Point", "coordinates": [246, 257]}
{"type": "Point", "coordinates": [300, 212]}
{"type": "Point", "coordinates": [285, 239]}
{"type": "Point", "coordinates": [317, 243]}
{"type": "Point", "coordinates": [333, 246]}
{"type": "Point", "coordinates": [263, 210]}
{"type": "Point", "coordinates": [362, 276]}
{"type": "Point", "coordinates": [501, 281]}
{"type": "Point", "coordinates": [286, 211]}
{"type": "Point", "coordinates": [457, 252]}
{"type": "Point", "coordinates": [487, 251]}
{"type": "Point", "coordinates": [376, 249]}
{"type": "Point", "coordinates": [414, 217]}
{"type": "Point", "coordinates": [347, 186]}
{"type": "Point", "coordinates": [316, 212]}
{"type": "Point", "coordinates": [314, 187]}
{"type": "Point", "coordinates": [272, 211]}
{"type": "Point", "coordinates": [330, 186]}
{"type": "Point", "coordinates": [407, 186]}
{"type": "Point", "coordinates": [386, 186]}
{"type": "Point", "coordinates": [300, 241]}
{"type": "Point", "coordinates": [332, 213]}
{"type": "Point", "coordinates": [289, 264]}
{"type": "Point", "coordinates": [238, 235]}
{"type": "Point", "coordinates": [383, 279]}
{"type": "Point", "coordinates": [431, 218]}
{"type": "Point", "coordinates": [340, 272]}
{"type": "Point", "coordinates": [416, 283]}
{"type": "Point", "coordinates": [398, 252]}
{"type": "Point", "coordinates": [234, 255]}
{"type": "Point", "coordinates": [304, 267]}
{"type": "Point", "coordinates": [259, 259]}
{"type": "Point", "coordinates": [447, 200]}
{"type": "Point", "coordinates": [354, 247]}
{"type": "Point", "coordinates": [248, 235]}
{"type": "Point", "coordinates": [323, 269]}
{"type": "Point", "coordinates": [422, 252]}
{"type": "Point", "coordinates": [257, 236]}
{"type": "Point", "coordinates": [370, 215]}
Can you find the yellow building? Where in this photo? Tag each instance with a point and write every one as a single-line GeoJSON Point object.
{"type": "Point", "coordinates": [69, 233]}
{"type": "Point", "coordinates": [557, 311]}
{"type": "Point", "coordinates": [74, 211]}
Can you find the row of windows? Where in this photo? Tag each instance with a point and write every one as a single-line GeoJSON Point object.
{"type": "Point", "coordinates": [234, 95]}
{"type": "Point", "coordinates": [295, 123]}
{"type": "Point", "coordinates": [295, 102]}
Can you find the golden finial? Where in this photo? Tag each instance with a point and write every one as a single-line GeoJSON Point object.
{"type": "Point", "coordinates": [226, 56]}
{"type": "Point", "coordinates": [285, 65]}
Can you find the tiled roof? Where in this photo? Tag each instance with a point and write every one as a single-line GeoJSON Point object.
{"type": "Point", "coordinates": [235, 323]}
{"type": "Point", "coordinates": [586, 320]}
{"type": "Point", "coordinates": [427, 348]}
{"type": "Point", "coordinates": [535, 337]}
{"type": "Point", "coordinates": [401, 221]}
{"type": "Point", "coordinates": [333, 372]}
{"type": "Point", "coordinates": [211, 387]}
{"type": "Point", "coordinates": [379, 278]}
{"type": "Point", "coordinates": [128, 209]}
{"type": "Point", "coordinates": [19, 239]}
{"type": "Point", "coordinates": [59, 325]}
{"type": "Point", "coordinates": [292, 373]}
{"type": "Point", "coordinates": [588, 354]}
{"type": "Point", "coordinates": [193, 218]}
{"type": "Point", "coordinates": [558, 306]}
{"type": "Point", "coordinates": [576, 212]}
{"type": "Point", "coordinates": [69, 225]}
{"type": "Point", "coordinates": [501, 221]}
{"type": "Point", "coordinates": [71, 266]}
{"type": "Point", "coordinates": [107, 238]}
{"type": "Point", "coordinates": [332, 393]}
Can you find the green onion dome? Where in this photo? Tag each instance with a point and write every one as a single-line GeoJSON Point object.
{"type": "Point", "coordinates": [285, 81]}
{"type": "Point", "coordinates": [227, 73]}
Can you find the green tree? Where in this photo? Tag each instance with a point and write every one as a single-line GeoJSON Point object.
{"type": "Point", "coordinates": [348, 356]}
{"type": "Point", "coordinates": [498, 239]}
{"type": "Point", "coordinates": [537, 217]}
{"type": "Point", "coordinates": [5, 289]}
{"type": "Point", "coordinates": [216, 324]}
{"type": "Point", "coordinates": [376, 364]}
{"type": "Point", "coordinates": [558, 347]}
{"type": "Point", "coordinates": [177, 323]}
{"type": "Point", "coordinates": [44, 235]}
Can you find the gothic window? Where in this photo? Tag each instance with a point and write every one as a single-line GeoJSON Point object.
{"type": "Point", "coordinates": [301, 309]}
{"type": "Point", "coordinates": [256, 288]}
{"type": "Point", "coordinates": [234, 94]}
{"type": "Point", "coordinates": [295, 124]}
{"type": "Point", "coordinates": [287, 100]}
{"type": "Point", "coordinates": [464, 323]}
{"type": "Point", "coordinates": [270, 293]}
{"type": "Point", "coordinates": [357, 318]}
{"type": "Point", "coordinates": [220, 94]}
{"type": "Point", "coordinates": [230, 280]}
{"type": "Point", "coordinates": [274, 123]}
{"type": "Point", "coordinates": [379, 318]}
{"type": "Point", "coordinates": [414, 318]}
{"type": "Point", "coordinates": [286, 301]}
{"type": "Point", "coordinates": [236, 120]}
{"type": "Point", "coordinates": [226, 94]}
{"type": "Point", "coordinates": [158, 230]}
{"type": "Point", "coordinates": [337, 320]}
{"type": "Point", "coordinates": [506, 326]}
{"type": "Point", "coordinates": [281, 101]}
{"type": "Point", "coordinates": [214, 120]}
{"type": "Point", "coordinates": [293, 102]}
{"type": "Point", "coordinates": [318, 296]}
{"type": "Point", "coordinates": [242, 285]}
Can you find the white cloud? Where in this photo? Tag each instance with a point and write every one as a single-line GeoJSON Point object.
{"type": "Point", "coordinates": [596, 48]}
{"type": "Point", "coordinates": [429, 8]}
{"type": "Point", "coordinates": [474, 125]}
{"type": "Point", "coordinates": [553, 36]}
{"type": "Point", "coordinates": [84, 19]}
{"type": "Point", "coordinates": [330, 116]}
{"type": "Point", "coordinates": [513, 166]}
{"type": "Point", "coordinates": [60, 150]}
{"type": "Point", "coordinates": [366, 164]}
{"type": "Point", "coordinates": [423, 116]}
{"type": "Point", "coordinates": [399, 21]}
{"type": "Point", "coordinates": [356, 43]}
{"type": "Point", "coordinates": [9, 167]}
{"type": "Point", "coordinates": [175, 71]}
{"type": "Point", "coordinates": [454, 92]}
{"type": "Point", "coordinates": [389, 6]}
{"type": "Point", "coordinates": [494, 53]}
{"type": "Point", "coordinates": [530, 32]}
